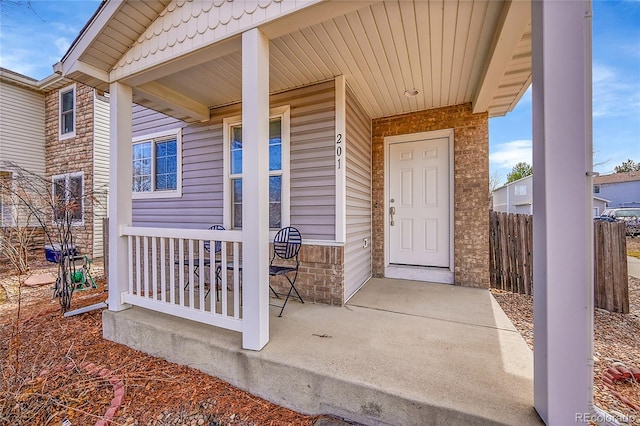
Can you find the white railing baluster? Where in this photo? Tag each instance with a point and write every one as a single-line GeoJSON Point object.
{"type": "Point", "coordinates": [163, 274]}
{"type": "Point", "coordinates": [192, 283]}
{"type": "Point", "coordinates": [138, 265]}
{"type": "Point", "coordinates": [213, 278]}
{"type": "Point", "coordinates": [146, 266]}
{"type": "Point", "coordinates": [236, 280]}
{"type": "Point", "coordinates": [130, 254]}
{"type": "Point", "coordinates": [181, 266]}
{"type": "Point", "coordinates": [223, 274]}
{"type": "Point", "coordinates": [172, 274]}
{"type": "Point", "coordinates": [201, 275]}
{"type": "Point", "coordinates": [154, 267]}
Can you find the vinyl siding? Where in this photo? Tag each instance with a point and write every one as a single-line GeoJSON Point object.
{"type": "Point", "coordinates": [22, 128]}
{"type": "Point", "coordinates": [146, 121]}
{"type": "Point", "coordinates": [312, 174]}
{"type": "Point", "coordinates": [357, 258]}
{"type": "Point", "coordinates": [100, 170]}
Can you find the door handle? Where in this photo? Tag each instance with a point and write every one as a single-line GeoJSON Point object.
{"type": "Point", "coordinates": [392, 211]}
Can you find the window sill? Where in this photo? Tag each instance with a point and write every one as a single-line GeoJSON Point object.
{"type": "Point", "coordinates": [67, 136]}
{"type": "Point", "coordinates": [155, 195]}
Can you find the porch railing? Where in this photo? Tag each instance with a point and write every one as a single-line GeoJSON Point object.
{"type": "Point", "coordinates": [192, 274]}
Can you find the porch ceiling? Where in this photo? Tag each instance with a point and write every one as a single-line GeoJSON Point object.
{"type": "Point", "coordinates": [451, 51]}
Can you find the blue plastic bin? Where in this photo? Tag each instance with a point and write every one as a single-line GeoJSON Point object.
{"type": "Point", "coordinates": [53, 252]}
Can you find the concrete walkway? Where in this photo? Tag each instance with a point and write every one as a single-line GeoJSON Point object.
{"type": "Point", "coordinates": [400, 353]}
{"type": "Point", "coordinates": [633, 266]}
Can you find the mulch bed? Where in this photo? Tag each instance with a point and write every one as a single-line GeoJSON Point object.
{"type": "Point", "coordinates": [55, 368]}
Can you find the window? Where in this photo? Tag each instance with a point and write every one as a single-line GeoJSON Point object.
{"type": "Point", "coordinates": [278, 170]}
{"type": "Point", "coordinates": [67, 117]}
{"type": "Point", "coordinates": [68, 198]}
{"type": "Point", "coordinates": [520, 189]}
{"type": "Point", "coordinates": [596, 189]}
{"type": "Point", "coordinates": [5, 185]}
{"type": "Point", "coordinates": [157, 165]}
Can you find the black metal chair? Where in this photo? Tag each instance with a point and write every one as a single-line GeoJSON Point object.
{"type": "Point", "coordinates": [286, 246]}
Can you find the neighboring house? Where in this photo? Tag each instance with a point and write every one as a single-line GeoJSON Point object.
{"type": "Point", "coordinates": [517, 197]}
{"type": "Point", "coordinates": [363, 124]}
{"type": "Point", "coordinates": [77, 156]}
{"type": "Point", "coordinates": [59, 130]}
{"type": "Point", "coordinates": [22, 134]}
{"type": "Point", "coordinates": [623, 189]}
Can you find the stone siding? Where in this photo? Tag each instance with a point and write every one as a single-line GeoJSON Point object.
{"type": "Point", "coordinates": [471, 186]}
{"type": "Point", "coordinates": [73, 154]}
{"type": "Point", "coordinates": [34, 242]}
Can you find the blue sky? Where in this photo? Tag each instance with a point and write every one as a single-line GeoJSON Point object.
{"type": "Point", "coordinates": [31, 41]}
{"type": "Point", "coordinates": [616, 97]}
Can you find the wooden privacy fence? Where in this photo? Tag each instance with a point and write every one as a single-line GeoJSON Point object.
{"type": "Point", "coordinates": [511, 249]}
{"type": "Point", "coordinates": [511, 259]}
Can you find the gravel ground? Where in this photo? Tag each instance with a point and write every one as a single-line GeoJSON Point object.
{"type": "Point", "coordinates": [616, 340]}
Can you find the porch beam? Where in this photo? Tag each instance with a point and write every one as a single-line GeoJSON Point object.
{"type": "Point", "coordinates": [562, 206]}
{"type": "Point", "coordinates": [120, 204]}
{"type": "Point", "coordinates": [255, 189]}
{"type": "Point", "coordinates": [177, 101]}
{"type": "Point", "coordinates": [80, 67]}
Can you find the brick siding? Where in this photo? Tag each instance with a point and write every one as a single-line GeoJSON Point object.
{"type": "Point", "coordinates": [471, 185]}
{"type": "Point", "coordinates": [73, 154]}
{"type": "Point", "coordinates": [320, 275]}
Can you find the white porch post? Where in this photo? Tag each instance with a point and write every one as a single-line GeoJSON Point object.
{"type": "Point", "coordinates": [255, 189]}
{"type": "Point", "coordinates": [120, 209]}
{"type": "Point", "coordinates": [562, 223]}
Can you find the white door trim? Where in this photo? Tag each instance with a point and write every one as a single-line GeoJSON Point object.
{"type": "Point", "coordinates": [440, 275]}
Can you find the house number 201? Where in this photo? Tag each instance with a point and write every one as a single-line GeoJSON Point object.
{"type": "Point", "coordinates": [339, 150]}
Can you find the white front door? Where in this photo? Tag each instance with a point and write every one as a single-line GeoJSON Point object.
{"type": "Point", "coordinates": [418, 206]}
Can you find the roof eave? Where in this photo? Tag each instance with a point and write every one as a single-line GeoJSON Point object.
{"type": "Point", "coordinates": [71, 65]}
{"type": "Point", "coordinates": [515, 17]}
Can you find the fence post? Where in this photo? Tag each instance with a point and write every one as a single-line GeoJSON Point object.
{"type": "Point", "coordinates": [610, 267]}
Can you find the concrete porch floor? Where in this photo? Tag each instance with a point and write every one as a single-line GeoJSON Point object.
{"type": "Point", "coordinates": [400, 353]}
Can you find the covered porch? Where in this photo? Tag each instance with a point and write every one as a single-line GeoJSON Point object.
{"type": "Point", "coordinates": [400, 352]}
{"type": "Point", "coordinates": [394, 69]}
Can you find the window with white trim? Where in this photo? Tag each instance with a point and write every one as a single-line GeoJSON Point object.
{"type": "Point", "coordinates": [157, 165]}
{"type": "Point", "coordinates": [67, 113]}
{"type": "Point", "coordinates": [278, 170]}
{"type": "Point", "coordinates": [68, 198]}
{"type": "Point", "coordinates": [520, 189]}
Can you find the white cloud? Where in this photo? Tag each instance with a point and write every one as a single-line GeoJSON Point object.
{"type": "Point", "coordinates": [62, 44]}
{"type": "Point", "coordinates": [508, 154]}
{"type": "Point", "coordinates": [613, 94]}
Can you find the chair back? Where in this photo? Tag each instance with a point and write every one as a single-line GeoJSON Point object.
{"type": "Point", "coordinates": [287, 243]}
{"type": "Point", "coordinates": [218, 245]}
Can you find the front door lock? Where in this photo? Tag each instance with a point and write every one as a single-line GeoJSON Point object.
{"type": "Point", "coordinates": [392, 211]}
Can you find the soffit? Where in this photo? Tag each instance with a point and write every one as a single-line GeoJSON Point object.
{"type": "Point", "coordinates": [121, 32]}
{"type": "Point", "coordinates": [440, 48]}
